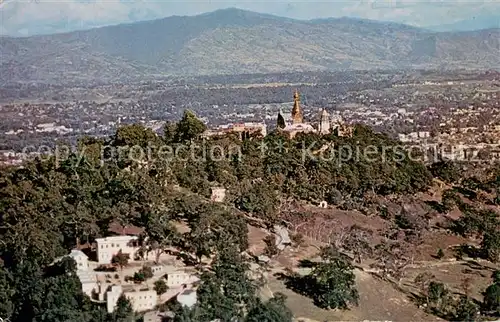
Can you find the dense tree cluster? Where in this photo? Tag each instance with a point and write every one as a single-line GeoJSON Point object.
{"type": "Point", "coordinates": [439, 300]}
{"type": "Point", "coordinates": [476, 220]}
{"type": "Point", "coordinates": [228, 293]}
{"type": "Point", "coordinates": [330, 283]}
{"type": "Point", "coordinates": [340, 170]}
{"type": "Point", "coordinates": [446, 171]}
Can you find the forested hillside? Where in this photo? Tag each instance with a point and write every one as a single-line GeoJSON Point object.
{"type": "Point", "coordinates": [50, 206]}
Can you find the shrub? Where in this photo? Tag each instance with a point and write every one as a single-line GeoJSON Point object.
{"type": "Point", "coordinates": [139, 277]}
{"type": "Point", "coordinates": [436, 292]}
{"type": "Point", "coordinates": [298, 239]}
{"type": "Point", "coordinates": [147, 272]}
{"type": "Point", "coordinates": [492, 298]}
{"type": "Point", "coordinates": [440, 254]}
{"type": "Point", "coordinates": [496, 276]}
{"type": "Point", "coordinates": [271, 248]}
{"type": "Point", "coordinates": [466, 310]}
{"type": "Point", "coordinates": [160, 287]}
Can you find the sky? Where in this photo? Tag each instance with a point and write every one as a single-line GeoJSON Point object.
{"type": "Point", "coordinates": [29, 17]}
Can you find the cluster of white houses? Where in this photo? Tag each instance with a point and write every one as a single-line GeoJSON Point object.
{"type": "Point", "coordinates": [142, 297]}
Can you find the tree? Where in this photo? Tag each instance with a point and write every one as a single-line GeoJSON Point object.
{"type": "Point", "coordinates": [189, 127]}
{"type": "Point", "coordinates": [466, 310]}
{"type": "Point", "coordinates": [440, 254]}
{"type": "Point", "coordinates": [120, 259]}
{"type": "Point", "coordinates": [135, 135]}
{"type": "Point", "coordinates": [161, 233]}
{"type": "Point", "coordinates": [436, 291]}
{"type": "Point", "coordinates": [123, 311]}
{"type": "Point", "coordinates": [490, 245]}
{"type": "Point", "coordinates": [423, 280]}
{"type": "Point", "coordinates": [335, 285]}
{"type": "Point", "coordinates": [53, 294]}
{"type": "Point", "coordinates": [491, 301]}
{"type": "Point", "coordinates": [280, 123]}
{"type": "Point", "coordinates": [273, 310]}
{"type": "Point", "coordinates": [450, 199]}
{"type": "Point", "coordinates": [496, 276]}
{"type": "Point", "coordinates": [357, 241]}
{"type": "Point", "coordinates": [139, 277]}
{"type": "Point", "coordinates": [147, 272]}
{"type": "Point", "coordinates": [331, 283]}
{"type": "Point", "coordinates": [6, 293]}
{"type": "Point", "coordinates": [160, 287]}
{"type": "Point", "coordinates": [213, 227]}
{"type": "Point", "coordinates": [226, 290]}
{"type": "Point", "coordinates": [271, 249]}
{"type": "Point", "coordinates": [169, 131]}
{"type": "Point", "coordinates": [260, 200]}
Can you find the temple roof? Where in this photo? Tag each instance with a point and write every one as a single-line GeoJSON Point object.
{"type": "Point", "coordinates": [298, 127]}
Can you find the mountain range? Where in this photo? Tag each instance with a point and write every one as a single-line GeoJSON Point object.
{"type": "Point", "coordinates": [476, 23]}
{"type": "Point", "coordinates": [233, 41]}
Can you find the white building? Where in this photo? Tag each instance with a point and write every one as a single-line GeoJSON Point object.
{"type": "Point", "coordinates": [89, 282]}
{"type": "Point", "coordinates": [157, 269]}
{"type": "Point", "coordinates": [110, 246]}
{"type": "Point", "coordinates": [293, 129]}
{"type": "Point", "coordinates": [87, 277]}
{"type": "Point", "coordinates": [218, 194]}
{"type": "Point", "coordinates": [324, 122]}
{"type": "Point", "coordinates": [187, 298]}
{"type": "Point", "coordinates": [141, 300]}
{"type": "Point", "coordinates": [176, 279]}
{"type": "Point", "coordinates": [82, 260]}
{"type": "Point", "coordinates": [244, 130]}
{"type": "Point", "coordinates": [424, 134]}
{"type": "Point", "coordinates": [112, 297]}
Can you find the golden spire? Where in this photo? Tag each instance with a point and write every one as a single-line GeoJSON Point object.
{"type": "Point", "coordinates": [296, 112]}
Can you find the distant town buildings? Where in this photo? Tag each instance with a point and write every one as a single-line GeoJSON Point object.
{"type": "Point", "coordinates": [244, 130]}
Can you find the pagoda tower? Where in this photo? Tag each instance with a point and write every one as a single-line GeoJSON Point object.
{"type": "Point", "coordinates": [297, 117]}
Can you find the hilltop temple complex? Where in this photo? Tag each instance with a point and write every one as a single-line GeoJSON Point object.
{"type": "Point", "coordinates": [297, 125]}
{"type": "Point", "coordinates": [290, 124]}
